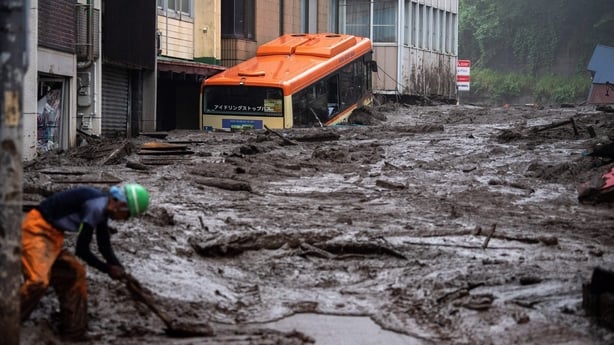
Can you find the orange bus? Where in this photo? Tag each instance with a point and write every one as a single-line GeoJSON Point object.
{"type": "Point", "coordinates": [296, 80]}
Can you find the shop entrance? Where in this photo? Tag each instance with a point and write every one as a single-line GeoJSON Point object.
{"type": "Point", "coordinates": [52, 121]}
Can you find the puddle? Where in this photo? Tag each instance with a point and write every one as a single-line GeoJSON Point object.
{"type": "Point", "coordinates": [341, 330]}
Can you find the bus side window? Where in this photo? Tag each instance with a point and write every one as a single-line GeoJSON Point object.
{"type": "Point", "coordinates": [300, 110]}
{"type": "Point", "coordinates": [349, 84]}
{"type": "Point", "coordinates": [309, 106]}
{"type": "Point", "coordinates": [333, 95]}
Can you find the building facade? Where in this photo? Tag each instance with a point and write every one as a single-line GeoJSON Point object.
{"type": "Point", "coordinates": [188, 51]}
{"type": "Point", "coordinates": [415, 41]}
{"type": "Point", "coordinates": [117, 68]}
{"type": "Point", "coordinates": [91, 71]}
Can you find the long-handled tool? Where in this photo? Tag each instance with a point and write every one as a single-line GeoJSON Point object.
{"type": "Point", "coordinates": [173, 328]}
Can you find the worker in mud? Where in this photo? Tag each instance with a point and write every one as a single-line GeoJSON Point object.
{"type": "Point", "coordinates": [85, 211]}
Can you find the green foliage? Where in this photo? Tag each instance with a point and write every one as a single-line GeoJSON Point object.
{"type": "Point", "coordinates": [560, 89]}
{"type": "Point", "coordinates": [499, 86]}
{"type": "Point", "coordinates": [530, 36]}
{"type": "Point", "coordinates": [505, 87]}
{"type": "Point", "coordinates": [528, 48]}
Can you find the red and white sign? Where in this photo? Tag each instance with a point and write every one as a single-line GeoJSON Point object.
{"type": "Point", "coordinates": [463, 75]}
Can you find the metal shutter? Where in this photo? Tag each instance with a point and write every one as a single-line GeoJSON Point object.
{"type": "Point", "coordinates": [115, 101]}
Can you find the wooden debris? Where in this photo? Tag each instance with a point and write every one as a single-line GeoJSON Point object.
{"type": "Point", "coordinates": [492, 232]}
{"type": "Point", "coordinates": [558, 124]}
{"type": "Point", "coordinates": [164, 152]}
{"type": "Point", "coordinates": [163, 149]}
{"type": "Point", "coordinates": [479, 302]}
{"type": "Point", "coordinates": [159, 135]}
{"type": "Point", "coordinates": [317, 136]}
{"type": "Point", "coordinates": [224, 183]}
{"type": "Point", "coordinates": [286, 140]}
{"type": "Point", "coordinates": [123, 148]}
{"type": "Point", "coordinates": [389, 185]}
{"type": "Point", "coordinates": [162, 160]}
{"type": "Point", "coordinates": [62, 172]}
{"type": "Point", "coordinates": [153, 145]}
{"type": "Point", "coordinates": [89, 181]}
{"type": "Point", "coordinates": [136, 166]}
{"type": "Point", "coordinates": [464, 246]}
{"type": "Point", "coordinates": [312, 243]}
{"type": "Point", "coordinates": [311, 249]}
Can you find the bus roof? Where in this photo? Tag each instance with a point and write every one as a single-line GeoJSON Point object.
{"type": "Point", "coordinates": [294, 61]}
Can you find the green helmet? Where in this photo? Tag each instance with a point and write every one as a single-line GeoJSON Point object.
{"type": "Point", "coordinates": [138, 199]}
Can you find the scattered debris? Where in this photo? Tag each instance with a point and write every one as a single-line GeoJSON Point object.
{"type": "Point", "coordinates": [487, 239]}
{"type": "Point", "coordinates": [285, 140]}
{"type": "Point", "coordinates": [224, 183]}
{"type": "Point", "coordinates": [174, 328]}
{"type": "Point", "coordinates": [558, 124]}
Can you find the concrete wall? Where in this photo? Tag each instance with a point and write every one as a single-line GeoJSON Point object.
{"type": "Point", "coordinates": [52, 63]}
{"type": "Point", "coordinates": [423, 61]}
{"type": "Point", "coordinates": [30, 85]}
{"type": "Point", "coordinates": [207, 35]}
{"type": "Point", "coordinates": [177, 38]}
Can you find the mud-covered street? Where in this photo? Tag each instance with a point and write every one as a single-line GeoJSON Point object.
{"type": "Point", "coordinates": [441, 225]}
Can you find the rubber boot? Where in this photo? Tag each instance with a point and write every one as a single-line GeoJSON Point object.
{"type": "Point", "coordinates": [69, 282]}
{"type": "Point", "coordinates": [30, 294]}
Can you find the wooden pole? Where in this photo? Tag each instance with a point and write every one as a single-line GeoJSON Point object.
{"type": "Point", "coordinates": [13, 43]}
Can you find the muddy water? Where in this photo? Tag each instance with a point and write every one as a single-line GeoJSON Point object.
{"type": "Point", "coordinates": [342, 330]}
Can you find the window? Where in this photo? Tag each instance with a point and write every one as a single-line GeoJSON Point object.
{"type": "Point", "coordinates": [333, 16]}
{"type": "Point", "coordinates": [428, 22]}
{"type": "Point", "coordinates": [357, 15]}
{"type": "Point", "coordinates": [385, 21]}
{"type": "Point", "coordinates": [238, 19]}
{"type": "Point", "coordinates": [407, 24]}
{"type": "Point", "coordinates": [181, 8]}
{"type": "Point", "coordinates": [309, 16]}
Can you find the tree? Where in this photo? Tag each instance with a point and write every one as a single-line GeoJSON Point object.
{"type": "Point", "coordinates": [535, 37]}
{"type": "Point", "coordinates": [12, 48]}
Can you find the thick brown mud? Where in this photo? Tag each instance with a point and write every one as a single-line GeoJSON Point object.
{"type": "Point", "coordinates": [446, 224]}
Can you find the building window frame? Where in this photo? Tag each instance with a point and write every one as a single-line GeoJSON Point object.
{"type": "Point", "coordinates": [178, 9]}
{"type": "Point", "coordinates": [239, 19]}
{"type": "Point", "coordinates": [367, 18]}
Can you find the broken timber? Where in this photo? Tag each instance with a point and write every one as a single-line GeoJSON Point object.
{"type": "Point", "coordinates": [316, 244]}
{"type": "Point", "coordinates": [224, 183]}
{"type": "Point", "coordinates": [157, 148]}
{"type": "Point", "coordinates": [164, 153]}
{"type": "Point", "coordinates": [286, 140]}
{"type": "Point", "coordinates": [558, 124]}
{"type": "Point", "coordinates": [317, 136]}
{"type": "Point", "coordinates": [124, 147]}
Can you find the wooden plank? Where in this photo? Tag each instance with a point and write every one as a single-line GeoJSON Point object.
{"type": "Point", "coordinates": [163, 146]}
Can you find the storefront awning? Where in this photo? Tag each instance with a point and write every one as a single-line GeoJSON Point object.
{"type": "Point", "coordinates": [182, 69]}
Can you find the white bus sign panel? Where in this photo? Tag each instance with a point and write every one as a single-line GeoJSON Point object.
{"type": "Point", "coordinates": [463, 75]}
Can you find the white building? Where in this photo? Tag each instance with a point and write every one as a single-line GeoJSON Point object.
{"type": "Point", "coordinates": [415, 42]}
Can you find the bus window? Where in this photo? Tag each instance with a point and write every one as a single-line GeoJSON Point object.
{"type": "Point", "coordinates": [351, 81]}
{"type": "Point", "coordinates": [243, 100]}
{"type": "Point", "coordinates": [333, 95]}
{"type": "Point", "coordinates": [310, 105]}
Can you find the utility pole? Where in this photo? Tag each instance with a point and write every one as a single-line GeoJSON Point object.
{"type": "Point", "coordinates": [13, 65]}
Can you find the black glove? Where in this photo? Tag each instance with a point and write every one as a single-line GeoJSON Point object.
{"type": "Point", "coordinates": [116, 272]}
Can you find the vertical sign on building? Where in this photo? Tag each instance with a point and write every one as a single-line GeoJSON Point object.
{"type": "Point", "coordinates": [463, 75]}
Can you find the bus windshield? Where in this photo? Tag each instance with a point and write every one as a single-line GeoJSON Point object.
{"type": "Point", "coordinates": [243, 100]}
